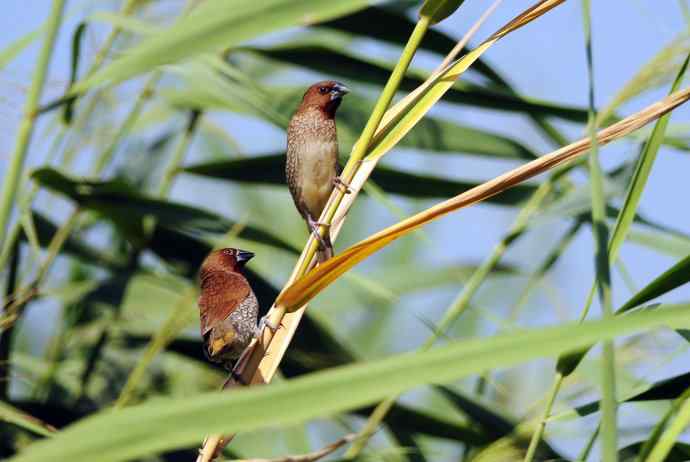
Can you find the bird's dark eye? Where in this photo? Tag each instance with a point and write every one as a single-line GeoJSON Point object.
{"type": "Point", "coordinates": [323, 90]}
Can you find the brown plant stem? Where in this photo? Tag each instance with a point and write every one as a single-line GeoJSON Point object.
{"type": "Point", "coordinates": [312, 456]}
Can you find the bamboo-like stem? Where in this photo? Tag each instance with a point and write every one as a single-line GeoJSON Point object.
{"type": "Point", "coordinates": [126, 10]}
{"type": "Point", "coordinates": [25, 206]}
{"type": "Point", "coordinates": [26, 127]}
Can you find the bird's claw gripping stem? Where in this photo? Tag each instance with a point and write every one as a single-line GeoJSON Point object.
{"type": "Point", "coordinates": [265, 321]}
{"type": "Point", "coordinates": [341, 185]}
{"type": "Point", "coordinates": [324, 241]}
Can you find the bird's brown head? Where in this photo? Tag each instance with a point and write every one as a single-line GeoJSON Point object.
{"type": "Point", "coordinates": [225, 260]}
{"type": "Point", "coordinates": [325, 95]}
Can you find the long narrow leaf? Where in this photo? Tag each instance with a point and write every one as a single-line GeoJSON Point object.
{"type": "Point", "coordinates": [213, 26]}
{"type": "Point", "coordinates": [271, 170]}
{"type": "Point", "coordinates": [167, 423]}
{"type": "Point", "coordinates": [641, 175]}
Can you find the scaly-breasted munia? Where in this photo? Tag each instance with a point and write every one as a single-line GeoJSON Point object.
{"type": "Point", "coordinates": [228, 308]}
{"type": "Point", "coordinates": [312, 155]}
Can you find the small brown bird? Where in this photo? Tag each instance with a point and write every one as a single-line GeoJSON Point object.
{"type": "Point", "coordinates": [312, 155]}
{"type": "Point", "coordinates": [228, 308]}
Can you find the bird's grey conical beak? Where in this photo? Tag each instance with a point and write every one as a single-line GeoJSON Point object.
{"type": "Point", "coordinates": [244, 256]}
{"type": "Point", "coordinates": [339, 90]}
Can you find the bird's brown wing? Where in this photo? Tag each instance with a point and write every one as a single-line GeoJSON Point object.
{"type": "Point", "coordinates": [221, 293]}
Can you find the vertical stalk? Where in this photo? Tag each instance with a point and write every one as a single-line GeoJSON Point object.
{"type": "Point", "coordinates": [26, 127]}
{"type": "Point", "coordinates": [609, 429]}
{"type": "Point", "coordinates": [541, 425]}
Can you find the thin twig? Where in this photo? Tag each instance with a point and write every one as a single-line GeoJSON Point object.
{"type": "Point", "coordinates": [466, 38]}
{"type": "Point", "coordinates": [312, 456]}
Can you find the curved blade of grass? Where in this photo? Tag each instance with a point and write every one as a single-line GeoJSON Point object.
{"type": "Point", "coordinates": [167, 423]}
{"type": "Point", "coordinates": [316, 280]}
{"type": "Point", "coordinates": [208, 85]}
{"type": "Point", "coordinates": [271, 170]}
{"type": "Point", "coordinates": [665, 389]}
{"type": "Point", "coordinates": [641, 175]}
{"type": "Point", "coordinates": [669, 280]}
{"type": "Point", "coordinates": [395, 28]}
{"type": "Point", "coordinates": [404, 115]}
{"type": "Point", "coordinates": [353, 67]}
{"type": "Point", "coordinates": [669, 437]}
{"type": "Point", "coordinates": [668, 244]}
{"type": "Point", "coordinates": [655, 437]}
{"type": "Point", "coordinates": [212, 27]}
{"type": "Point", "coordinates": [659, 70]}
{"type": "Point", "coordinates": [12, 415]}
{"type": "Point", "coordinates": [117, 201]}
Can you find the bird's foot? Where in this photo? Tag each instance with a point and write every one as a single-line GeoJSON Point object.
{"type": "Point", "coordinates": [325, 240]}
{"type": "Point", "coordinates": [341, 185]}
{"type": "Point", "coordinates": [265, 321]}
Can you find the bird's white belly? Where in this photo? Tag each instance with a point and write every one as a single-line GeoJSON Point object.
{"type": "Point", "coordinates": [318, 169]}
